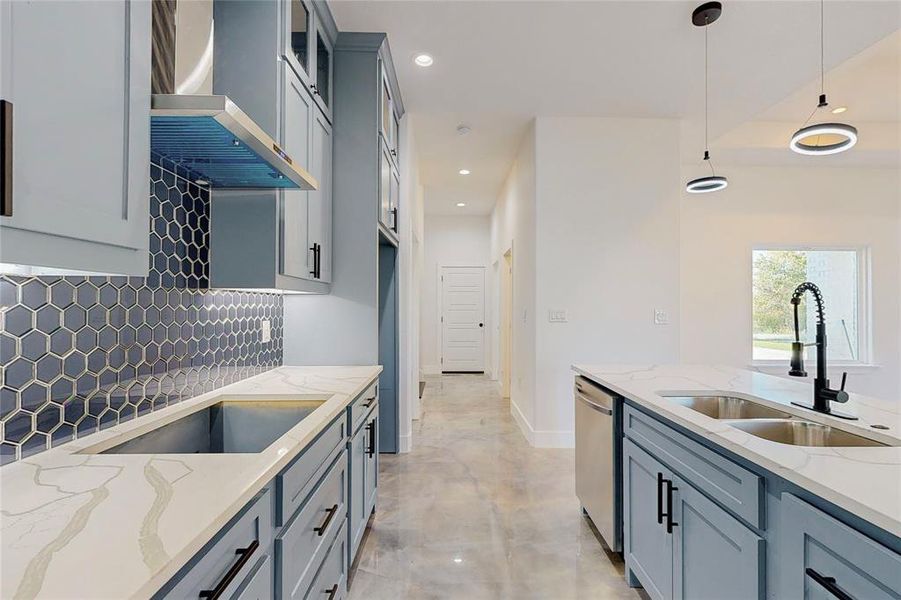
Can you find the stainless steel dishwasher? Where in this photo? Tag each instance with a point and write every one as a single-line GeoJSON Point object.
{"type": "Point", "coordinates": [597, 459]}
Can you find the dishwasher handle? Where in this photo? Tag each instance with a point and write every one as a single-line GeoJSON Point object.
{"type": "Point", "coordinates": [594, 405]}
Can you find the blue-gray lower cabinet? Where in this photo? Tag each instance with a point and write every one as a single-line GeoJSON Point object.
{"type": "Point", "coordinates": [648, 547]}
{"type": "Point", "coordinates": [825, 558]}
{"type": "Point", "coordinates": [258, 585]}
{"type": "Point", "coordinates": [363, 460]}
{"type": "Point", "coordinates": [231, 562]}
{"type": "Point", "coordinates": [305, 541]}
{"type": "Point", "coordinates": [298, 537]}
{"type": "Point", "coordinates": [714, 556]}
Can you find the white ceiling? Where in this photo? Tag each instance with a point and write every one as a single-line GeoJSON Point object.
{"type": "Point", "coordinates": [500, 63]}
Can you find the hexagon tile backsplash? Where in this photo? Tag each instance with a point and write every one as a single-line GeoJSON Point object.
{"type": "Point", "coordinates": [82, 353]}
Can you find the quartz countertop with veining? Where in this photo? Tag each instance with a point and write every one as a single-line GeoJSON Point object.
{"type": "Point", "coordinates": [865, 481]}
{"type": "Point", "coordinates": [78, 525]}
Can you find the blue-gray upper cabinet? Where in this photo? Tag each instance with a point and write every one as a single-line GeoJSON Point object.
{"type": "Point", "coordinates": [824, 558]}
{"type": "Point", "coordinates": [276, 239]}
{"type": "Point", "coordinates": [308, 38]}
{"type": "Point", "coordinates": [319, 208]}
{"type": "Point", "coordinates": [78, 77]}
{"type": "Point", "coordinates": [296, 256]}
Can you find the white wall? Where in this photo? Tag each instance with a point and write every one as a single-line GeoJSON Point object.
{"type": "Point", "coordinates": [450, 241]}
{"type": "Point", "coordinates": [817, 206]}
{"type": "Point", "coordinates": [607, 244]}
{"type": "Point", "coordinates": [410, 233]}
{"type": "Point", "coordinates": [513, 226]}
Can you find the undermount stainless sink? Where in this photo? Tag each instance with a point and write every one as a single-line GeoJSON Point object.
{"type": "Point", "coordinates": [802, 433]}
{"type": "Point", "coordinates": [228, 426]}
{"type": "Point", "coordinates": [728, 407]}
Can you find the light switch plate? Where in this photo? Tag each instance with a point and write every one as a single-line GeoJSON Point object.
{"type": "Point", "coordinates": [556, 316]}
{"type": "Point", "coordinates": [266, 330]}
{"type": "Point", "coordinates": [660, 317]}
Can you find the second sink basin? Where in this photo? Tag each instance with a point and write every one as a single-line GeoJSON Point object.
{"type": "Point", "coordinates": [728, 407]}
{"type": "Point", "coordinates": [802, 433]}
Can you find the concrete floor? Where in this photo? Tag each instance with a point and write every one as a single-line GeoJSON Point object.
{"type": "Point", "coordinates": [475, 512]}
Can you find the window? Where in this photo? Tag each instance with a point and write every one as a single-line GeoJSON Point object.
{"type": "Point", "coordinates": [840, 275]}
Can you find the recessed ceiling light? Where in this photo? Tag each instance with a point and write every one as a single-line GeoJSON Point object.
{"type": "Point", "coordinates": [464, 171]}
{"type": "Point", "coordinates": [461, 204]}
{"type": "Point", "coordinates": [424, 60]}
{"type": "Point", "coordinates": [839, 110]}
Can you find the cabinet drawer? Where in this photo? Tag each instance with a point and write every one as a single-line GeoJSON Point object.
{"type": "Point", "coordinates": [734, 487]}
{"type": "Point", "coordinates": [359, 408]}
{"type": "Point", "coordinates": [297, 480]}
{"type": "Point", "coordinates": [258, 585]}
{"type": "Point", "coordinates": [243, 541]}
{"type": "Point", "coordinates": [331, 580]}
{"type": "Point", "coordinates": [824, 558]}
{"type": "Point", "coordinates": [307, 537]}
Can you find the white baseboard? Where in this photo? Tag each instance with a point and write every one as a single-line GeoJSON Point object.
{"type": "Point", "coordinates": [405, 444]}
{"type": "Point", "coordinates": [541, 438]}
{"type": "Point", "coordinates": [524, 426]}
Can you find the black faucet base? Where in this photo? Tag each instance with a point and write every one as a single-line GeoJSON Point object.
{"type": "Point", "coordinates": [831, 413]}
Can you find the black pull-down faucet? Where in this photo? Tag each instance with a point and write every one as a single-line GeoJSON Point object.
{"type": "Point", "coordinates": [823, 395]}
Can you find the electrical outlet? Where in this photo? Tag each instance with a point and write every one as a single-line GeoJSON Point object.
{"type": "Point", "coordinates": [660, 317]}
{"type": "Point", "coordinates": [556, 316]}
{"type": "Point", "coordinates": [266, 330]}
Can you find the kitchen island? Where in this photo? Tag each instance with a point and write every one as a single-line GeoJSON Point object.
{"type": "Point", "coordinates": [711, 508]}
{"type": "Point", "coordinates": [77, 522]}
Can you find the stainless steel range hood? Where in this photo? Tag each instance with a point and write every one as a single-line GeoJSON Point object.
{"type": "Point", "coordinates": [209, 136]}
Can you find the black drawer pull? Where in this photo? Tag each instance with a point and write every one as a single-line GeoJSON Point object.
{"type": "Point", "coordinates": [828, 584]}
{"type": "Point", "coordinates": [370, 427]}
{"type": "Point", "coordinates": [332, 591]}
{"type": "Point", "coordinates": [331, 513]}
{"type": "Point", "coordinates": [6, 158]}
{"type": "Point", "coordinates": [670, 488]}
{"type": "Point", "coordinates": [660, 498]}
{"type": "Point", "coordinates": [369, 402]}
{"type": "Point", "coordinates": [244, 555]}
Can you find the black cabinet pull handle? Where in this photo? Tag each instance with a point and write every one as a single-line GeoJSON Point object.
{"type": "Point", "coordinates": [660, 498]}
{"type": "Point", "coordinates": [317, 262]}
{"type": "Point", "coordinates": [331, 513]}
{"type": "Point", "coordinates": [670, 488]}
{"type": "Point", "coordinates": [6, 158]}
{"type": "Point", "coordinates": [370, 427]}
{"type": "Point", "coordinates": [244, 555]}
{"type": "Point", "coordinates": [828, 584]}
{"type": "Point", "coordinates": [332, 591]}
{"type": "Point", "coordinates": [394, 219]}
{"type": "Point", "coordinates": [369, 402]}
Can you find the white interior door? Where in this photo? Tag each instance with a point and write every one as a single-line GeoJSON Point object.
{"type": "Point", "coordinates": [463, 319]}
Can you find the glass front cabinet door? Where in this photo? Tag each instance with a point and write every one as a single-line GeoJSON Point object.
{"type": "Point", "coordinates": [308, 49]}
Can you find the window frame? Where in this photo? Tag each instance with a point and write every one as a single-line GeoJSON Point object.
{"type": "Point", "coordinates": [864, 299]}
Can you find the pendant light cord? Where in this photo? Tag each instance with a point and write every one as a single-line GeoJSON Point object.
{"type": "Point", "coordinates": [822, 101]}
{"type": "Point", "coordinates": [822, 48]}
{"type": "Point", "coordinates": [706, 101]}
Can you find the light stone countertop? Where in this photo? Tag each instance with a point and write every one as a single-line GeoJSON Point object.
{"type": "Point", "coordinates": [121, 525]}
{"type": "Point", "coordinates": [866, 481]}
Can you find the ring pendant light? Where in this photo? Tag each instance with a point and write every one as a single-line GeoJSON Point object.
{"type": "Point", "coordinates": [821, 139]}
{"type": "Point", "coordinates": [703, 16]}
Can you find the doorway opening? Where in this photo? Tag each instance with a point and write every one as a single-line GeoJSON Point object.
{"type": "Point", "coordinates": [506, 323]}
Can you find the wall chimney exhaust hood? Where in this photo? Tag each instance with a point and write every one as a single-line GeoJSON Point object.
{"type": "Point", "coordinates": [205, 134]}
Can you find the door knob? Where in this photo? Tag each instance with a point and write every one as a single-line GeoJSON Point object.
{"type": "Point", "coordinates": [481, 324]}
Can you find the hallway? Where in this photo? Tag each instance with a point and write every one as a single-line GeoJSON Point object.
{"type": "Point", "coordinates": [475, 512]}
